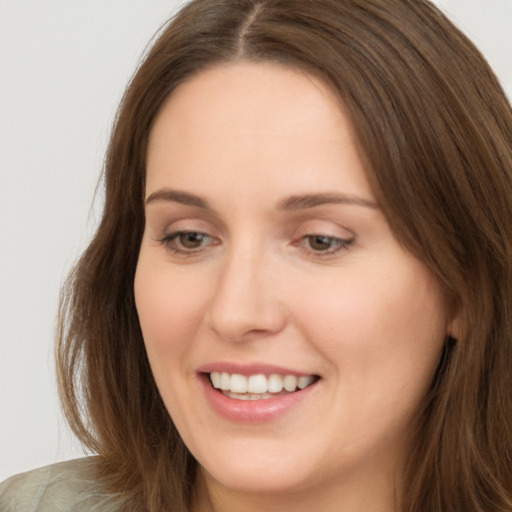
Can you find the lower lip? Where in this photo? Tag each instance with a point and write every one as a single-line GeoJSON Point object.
{"type": "Point", "coordinates": [252, 411]}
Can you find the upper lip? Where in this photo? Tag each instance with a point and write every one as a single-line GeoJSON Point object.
{"type": "Point", "coordinates": [250, 369]}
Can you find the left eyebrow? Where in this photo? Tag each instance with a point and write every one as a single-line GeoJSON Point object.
{"type": "Point", "coordinates": [303, 202]}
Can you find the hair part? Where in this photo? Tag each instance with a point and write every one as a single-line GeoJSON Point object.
{"type": "Point", "coordinates": [435, 131]}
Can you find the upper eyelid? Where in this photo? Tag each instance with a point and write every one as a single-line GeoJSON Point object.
{"type": "Point", "coordinates": [166, 225]}
{"type": "Point", "coordinates": [334, 229]}
{"type": "Point", "coordinates": [209, 220]}
{"type": "Point", "coordinates": [163, 222]}
{"type": "Point", "coordinates": [161, 213]}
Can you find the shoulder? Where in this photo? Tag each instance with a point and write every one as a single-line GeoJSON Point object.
{"type": "Point", "coordinates": [63, 487]}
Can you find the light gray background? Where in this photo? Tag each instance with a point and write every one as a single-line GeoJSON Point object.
{"type": "Point", "coordinates": [63, 67]}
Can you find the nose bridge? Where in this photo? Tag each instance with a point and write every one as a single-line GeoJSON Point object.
{"type": "Point", "coordinates": [244, 303]}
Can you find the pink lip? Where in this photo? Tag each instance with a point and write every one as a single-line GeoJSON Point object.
{"type": "Point", "coordinates": [251, 411]}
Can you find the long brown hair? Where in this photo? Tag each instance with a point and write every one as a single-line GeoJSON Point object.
{"type": "Point", "coordinates": [435, 130]}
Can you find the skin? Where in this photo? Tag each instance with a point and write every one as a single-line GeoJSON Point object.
{"type": "Point", "coordinates": [356, 309]}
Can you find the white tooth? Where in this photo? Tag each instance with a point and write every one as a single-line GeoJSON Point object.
{"type": "Point", "coordinates": [304, 382]}
{"type": "Point", "coordinates": [257, 384]}
{"type": "Point", "coordinates": [225, 381]}
{"type": "Point", "coordinates": [238, 396]}
{"type": "Point", "coordinates": [290, 383]}
{"type": "Point", "coordinates": [238, 383]}
{"type": "Point", "coordinates": [275, 383]}
{"type": "Point", "coordinates": [215, 378]}
{"type": "Point", "coordinates": [248, 396]}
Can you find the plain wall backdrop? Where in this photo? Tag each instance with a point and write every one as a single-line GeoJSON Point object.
{"type": "Point", "coordinates": [63, 67]}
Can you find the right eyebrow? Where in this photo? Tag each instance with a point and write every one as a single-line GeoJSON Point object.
{"type": "Point", "coordinates": [177, 196]}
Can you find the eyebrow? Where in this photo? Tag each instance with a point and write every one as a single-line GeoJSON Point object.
{"type": "Point", "coordinates": [293, 203]}
{"type": "Point", "coordinates": [303, 202]}
{"type": "Point", "coordinates": [178, 196]}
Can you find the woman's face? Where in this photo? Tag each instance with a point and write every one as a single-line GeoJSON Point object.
{"type": "Point", "coordinates": [266, 262]}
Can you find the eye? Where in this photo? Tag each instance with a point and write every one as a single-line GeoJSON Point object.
{"type": "Point", "coordinates": [325, 245]}
{"type": "Point", "coordinates": [190, 240]}
{"type": "Point", "coordinates": [186, 241]}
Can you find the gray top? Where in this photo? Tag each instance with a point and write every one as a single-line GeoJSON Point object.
{"type": "Point", "coordinates": [64, 487]}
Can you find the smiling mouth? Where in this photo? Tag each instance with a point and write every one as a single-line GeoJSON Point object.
{"type": "Point", "coordinates": [259, 386]}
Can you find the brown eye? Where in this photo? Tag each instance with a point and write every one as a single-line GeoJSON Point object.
{"type": "Point", "coordinates": [322, 243]}
{"type": "Point", "coordinates": [191, 240]}
{"type": "Point", "coordinates": [187, 242]}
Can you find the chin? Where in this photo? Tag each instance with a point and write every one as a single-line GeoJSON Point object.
{"type": "Point", "coordinates": [251, 480]}
{"type": "Point", "coordinates": [259, 469]}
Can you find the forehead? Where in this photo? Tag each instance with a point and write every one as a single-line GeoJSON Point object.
{"type": "Point", "coordinates": [242, 120]}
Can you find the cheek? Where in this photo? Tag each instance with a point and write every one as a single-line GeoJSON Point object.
{"type": "Point", "coordinates": [169, 309]}
{"type": "Point", "coordinates": [382, 307]}
{"type": "Point", "coordinates": [383, 331]}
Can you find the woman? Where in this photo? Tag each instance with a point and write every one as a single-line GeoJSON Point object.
{"type": "Point", "coordinates": [299, 294]}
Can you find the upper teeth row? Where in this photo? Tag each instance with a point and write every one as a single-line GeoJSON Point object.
{"type": "Point", "coordinates": [259, 383]}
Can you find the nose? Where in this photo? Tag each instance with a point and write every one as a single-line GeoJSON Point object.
{"type": "Point", "coordinates": [245, 304]}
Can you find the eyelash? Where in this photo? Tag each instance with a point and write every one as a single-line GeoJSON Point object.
{"type": "Point", "coordinates": [170, 241]}
{"type": "Point", "coordinates": [337, 245]}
